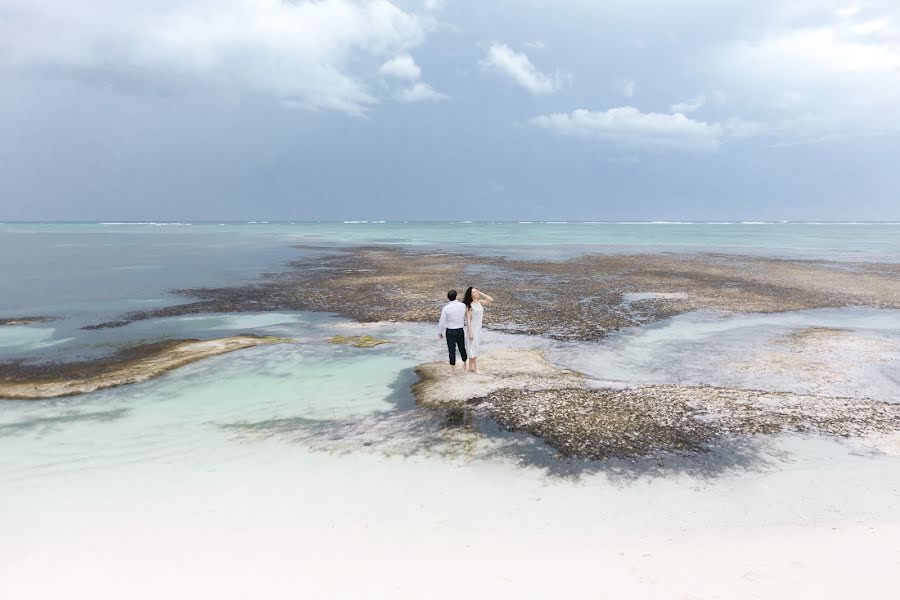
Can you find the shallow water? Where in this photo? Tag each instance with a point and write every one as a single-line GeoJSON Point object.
{"type": "Point", "coordinates": [141, 491]}
{"type": "Point", "coordinates": [744, 350]}
{"type": "Point", "coordinates": [181, 487]}
{"type": "Point", "coordinates": [33, 243]}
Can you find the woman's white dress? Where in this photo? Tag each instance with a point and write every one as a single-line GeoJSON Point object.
{"type": "Point", "coordinates": [473, 345]}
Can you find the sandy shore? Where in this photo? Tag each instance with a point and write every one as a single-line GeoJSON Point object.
{"type": "Point", "coordinates": [282, 523]}
{"type": "Point", "coordinates": [20, 381]}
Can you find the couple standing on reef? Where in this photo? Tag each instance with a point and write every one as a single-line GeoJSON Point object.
{"type": "Point", "coordinates": [461, 324]}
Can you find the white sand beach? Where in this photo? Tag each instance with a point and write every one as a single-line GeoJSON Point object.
{"type": "Point", "coordinates": [140, 491]}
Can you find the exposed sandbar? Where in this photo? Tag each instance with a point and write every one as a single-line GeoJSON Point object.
{"type": "Point", "coordinates": [22, 381]}
{"type": "Point", "coordinates": [580, 298]}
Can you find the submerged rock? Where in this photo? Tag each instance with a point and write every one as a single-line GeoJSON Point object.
{"type": "Point", "coordinates": [360, 341]}
{"type": "Point", "coordinates": [19, 381]}
{"type": "Point", "coordinates": [820, 358]}
{"type": "Point", "coordinates": [25, 321]}
{"type": "Point", "coordinates": [523, 392]}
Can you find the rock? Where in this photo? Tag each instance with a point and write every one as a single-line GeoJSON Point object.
{"type": "Point", "coordinates": [580, 298]}
{"type": "Point", "coordinates": [360, 341]}
{"type": "Point", "coordinates": [503, 369]}
{"type": "Point", "coordinates": [525, 393]}
{"type": "Point", "coordinates": [141, 363]}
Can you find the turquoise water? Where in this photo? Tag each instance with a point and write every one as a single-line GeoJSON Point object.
{"type": "Point", "coordinates": [813, 240]}
{"type": "Point", "coordinates": [96, 269]}
{"type": "Point", "coordinates": [302, 468]}
{"type": "Point", "coordinates": [83, 273]}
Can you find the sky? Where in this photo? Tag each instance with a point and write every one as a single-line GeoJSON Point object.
{"type": "Point", "coordinates": [449, 110]}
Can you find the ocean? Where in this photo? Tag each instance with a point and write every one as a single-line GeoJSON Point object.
{"type": "Point", "coordinates": [163, 488]}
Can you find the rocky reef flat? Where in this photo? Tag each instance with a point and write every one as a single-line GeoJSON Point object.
{"type": "Point", "coordinates": [26, 381]}
{"type": "Point", "coordinates": [523, 392]}
{"type": "Point", "coordinates": [577, 299]}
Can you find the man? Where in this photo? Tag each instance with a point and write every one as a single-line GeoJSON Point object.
{"type": "Point", "coordinates": [453, 317]}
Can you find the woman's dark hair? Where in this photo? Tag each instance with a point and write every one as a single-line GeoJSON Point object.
{"type": "Point", "coordinates": [467, 297]}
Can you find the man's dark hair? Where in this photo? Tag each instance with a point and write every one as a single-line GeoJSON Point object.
{"type": "Point", "coordinates": [451, 295]}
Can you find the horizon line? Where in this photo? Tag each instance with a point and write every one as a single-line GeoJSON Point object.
{"type": "Point", "coordinates": [453, 221]}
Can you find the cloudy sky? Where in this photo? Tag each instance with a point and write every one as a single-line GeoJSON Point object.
{"type": "Point", "coordinates": [450, 109]}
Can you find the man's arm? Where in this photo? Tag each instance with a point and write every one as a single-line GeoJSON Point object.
{"type": "Point", "coordinates": [442, 324]}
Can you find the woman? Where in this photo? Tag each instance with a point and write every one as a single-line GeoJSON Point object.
{"type": "Point", "coordinates": [475, 302]}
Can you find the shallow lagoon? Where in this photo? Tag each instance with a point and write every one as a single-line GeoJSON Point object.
{"type": "Point", "coordinates": [142, 482]}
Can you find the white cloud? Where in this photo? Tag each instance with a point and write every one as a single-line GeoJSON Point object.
{"type": "Point", "coordinates": [689, 106]}
{"type": "Point", "coordinates": [518, 67]}
{"type": "Point", "coordinates": [870, 27]}
{"type": "Point", "coordinates": [402, 67]}
{"type": "Point", "coordinates": [303, 53]}
{"type": "Point", "coordinates": [847, 12]}
{"type": "Point", "coordinates": [815, 53]}
{"type": "Point", "coordinates": [628, 126]}
{"type": "Point", "coordinates": [830, 76]}
{"type": "Point", "coordinates": [420, 92]}
{"type": "Point", "coordinates": [405, 67]}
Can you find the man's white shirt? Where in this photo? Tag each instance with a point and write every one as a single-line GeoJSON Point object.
{"type": "Point", "coordinates": [453, 316]}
